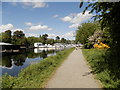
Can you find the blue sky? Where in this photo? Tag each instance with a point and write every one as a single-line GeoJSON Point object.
{"type": "Point", "coordinates": [53, 18]}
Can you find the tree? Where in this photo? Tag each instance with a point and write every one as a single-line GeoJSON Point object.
{"type": "Point", "coordinates": [6, 36]}
{"type": "Point", "coordinates": [50, 41]}
{"type": "Point", "coordinates": [44, 38]}
{"type": "Point", "coordinates": [86, 30]}
{"type": "Point", "coordinates": [18, 34]}
{"type": "Point", "coordinates": [0, 37]}
{"type": "Point", "coordinates": [32, 40]}
{"type": "Point", "coordinates": [19, 38]}
{"type": "Point", "coordinates": [63, 40]}
{"type": "Point", "coordinates": [96, 36]}
{"type": "Point", "coordinates": [108, 15]}
{"type": "Point", "coordinates": [57, 38]}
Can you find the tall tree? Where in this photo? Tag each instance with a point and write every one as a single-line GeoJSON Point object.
{"type": "Point", "coordinates": [6, 36]}
{"type": "Point", "coordinates": [108, 15]}
{"type": "Point", "coordinates": [18, 34]}
{"type": "Point", "coordinates": [19, 38]}
{"type": "Point", "coordinates": [86, 30]}
{"type": "Point", "coordinates": [44, 38]}
{"type": "Point", "coordinates": [57, 38]}
{"type": "Point", "coordinates": [63, 40]}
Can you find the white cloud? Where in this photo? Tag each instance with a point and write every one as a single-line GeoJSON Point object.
{"type": "Point", "coordinates": [32, 3]}
{"type": "Point", "coordinates": [67, 19]}
{"type": "Point", "coordinates": [3, 28]}
{"type": "Point", "coordinates": [39, 5]}
{"type": "Point", "coordinates": [28, 23]}
{"type": "Point", "coordinates": [51, 36]}
{"type": "Point", "coordinates": [31, 34]}
{"type": "Point", "coordinates": [40, 27]}
{"type": "Point", "coordinates": [6, 27]}
{"type": "Point", "coordinates": [74, 26]}
{"type": "Point", "coordinates": [55, 16]}
{"type": "Point", "coordinates": [35, 4]}
{"type": "Point", "coordinates": [69, 35]}
{"type": "Point", "coordinates": [77, 19]}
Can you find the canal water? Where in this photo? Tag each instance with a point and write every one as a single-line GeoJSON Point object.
{"type": "Point", "coordinates": [13, 63]}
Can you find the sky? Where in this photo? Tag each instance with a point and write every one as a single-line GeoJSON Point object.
{"type": "Point", "coordinates": [38, 18]}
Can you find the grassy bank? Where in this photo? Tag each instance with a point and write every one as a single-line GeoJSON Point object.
{"type": "Point", "coordinates": [102, 67]}
{"type": "Point", "coordinates": [36, 75]}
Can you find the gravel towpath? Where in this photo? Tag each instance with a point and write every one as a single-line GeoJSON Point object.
{"type": "Point", "coordinates": [74, 73]}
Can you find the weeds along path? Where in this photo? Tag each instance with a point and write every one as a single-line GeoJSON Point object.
{"type": "Point", "coordinates": [74, 73]}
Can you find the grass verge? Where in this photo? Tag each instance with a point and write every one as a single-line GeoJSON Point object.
{"type": "Point", "coordinates": [36, 75]}
{"type": "Point", "coordinates": [101, 67]}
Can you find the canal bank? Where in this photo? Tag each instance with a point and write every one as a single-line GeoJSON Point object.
{"type": "Point", "coordinates": [13, 63]}
{"type": "Point", "coordinates": [36, 75]}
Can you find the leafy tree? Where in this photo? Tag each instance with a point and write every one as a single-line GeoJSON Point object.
{"type": "Point", "coordinates": [18, 34]}
{"type": "Point", "coordinates": [50, 41]}
{"type": "Point", "coordinates": [108, 15]}
{"type": "Point", "coordinates": [86, 30]}
{"type": "Point", "coordinates": [19, 38]}
{"type": "Point", "coordinates": [0, 37]}
{"type": "Point", "coordinates": [32, 40]}
{"type": "Point", "coordinates": [98, 34]}
{"type": "Point", "coordinates": [63, 40]}
{"type": "Point", "coordinates": [40, 36]}
{"type": "Point", "coordinates": [44, 38]}
{"type": "Point", "coordinates": [57, 39]}
{"type": "Point", "coordinates": [6, 36]}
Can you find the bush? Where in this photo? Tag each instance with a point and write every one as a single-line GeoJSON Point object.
{"type": "Point", "coordinates": [106, 69]}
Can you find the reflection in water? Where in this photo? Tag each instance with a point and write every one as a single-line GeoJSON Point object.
{"type": "Point", "coordinates": [12, 63]}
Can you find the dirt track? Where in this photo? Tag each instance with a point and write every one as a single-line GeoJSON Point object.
{"type": "Point", "coordinates": [74, 73]}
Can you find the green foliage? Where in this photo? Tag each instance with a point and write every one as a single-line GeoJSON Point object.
{"type": "Point", "coordinates": [19, 38]}
{"type": "Point", "coordinates": [32, 40]}
{"type": "Point", "coordinates": [18, 34]}
{"type": "Point", "coordinates": [85, 31]}
{"type": "Point", "coordinates": [109, 16]}
{"type": "Point", "coordinates": [50, 41]}
{"type": "Point", "coordinates": [105, 70]}
{"type": "Point", "coordinates": [36, 75]}
{"type": "Point", "coordinates": [6, 36]}
{"type": "Point", "coordinates": [57, 38]}
{"type": "Point", "coordinates": [44, 38]}
{"type": "Point", "coordinates": [63, 40]}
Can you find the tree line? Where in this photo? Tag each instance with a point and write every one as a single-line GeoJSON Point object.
{"type": "Point", "coordinates": [19, 38]}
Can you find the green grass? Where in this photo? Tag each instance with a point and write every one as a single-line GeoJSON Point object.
{"type": "Point", "coordinates": [101, 66]}
{"type": "Point", "coordinates": [36, 75]}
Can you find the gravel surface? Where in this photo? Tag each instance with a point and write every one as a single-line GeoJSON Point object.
{"type": "Point", "coordinates": [74, 73]}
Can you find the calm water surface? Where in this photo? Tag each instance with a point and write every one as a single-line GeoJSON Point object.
{"type": "Point", "coordinates": [12, 63]}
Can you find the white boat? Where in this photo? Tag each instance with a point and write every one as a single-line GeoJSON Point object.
{"type": "Point", "coordinates": [40, 45]}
